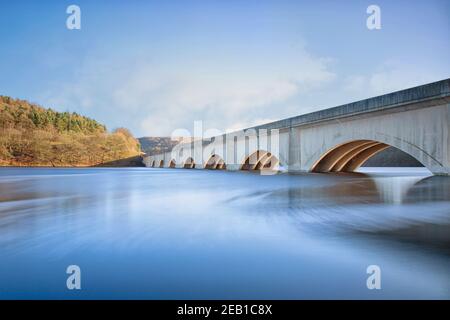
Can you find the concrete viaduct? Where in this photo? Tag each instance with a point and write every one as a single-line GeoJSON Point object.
{"type": "Point", "coordinates": [342, 138]}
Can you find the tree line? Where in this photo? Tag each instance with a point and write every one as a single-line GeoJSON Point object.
{"type": "Point", "coordinates": [31, 135]}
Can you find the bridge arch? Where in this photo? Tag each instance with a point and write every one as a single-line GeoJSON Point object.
{"type": "Point", "coordinates": [260, 160]}
{"type": "Point", "coordinates": [350, 155]}
{"type": "Point", "coordinates": [215, 162]}
{"type": "Point", "coordinates": [189, 163]}
{"type": "Point", "coordinates": [172, 163]}
{"type": "Point", "coordinates": [161, 163]}
{"type": "Point", "coordinates": [153, 163]}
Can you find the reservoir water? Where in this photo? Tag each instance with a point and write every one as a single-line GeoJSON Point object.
{"type": "Point", "coordinates": [198, 234]}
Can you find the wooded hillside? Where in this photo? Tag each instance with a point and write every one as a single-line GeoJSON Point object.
{"type": "Point", "coordinates": [34, 136]}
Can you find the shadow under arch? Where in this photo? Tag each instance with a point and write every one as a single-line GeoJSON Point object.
{"type": "Point", "coordinates": [161, 163]}
{"type": "Point", "coordinates": [260, 160]}
{"type": "Point", "coordinates": [153, 164]}
{"type": "Point", "coordinates": [349, 156]}
{"type": "Point", "coordinates": [189, 163]}
{"type": "Point", "coordinates": [215, 162]}
{"type": "Point", "coordinates": [172, 163]}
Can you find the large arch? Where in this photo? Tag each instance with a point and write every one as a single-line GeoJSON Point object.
{"type": "Point", "coordinates": [348, 156]}
{"type": "Point", "coordinates": [161, 163]}
{"type": "Point", "coordinates": [260, 160]}
{"type": "Point", "coordinates": [215, 162]}
{"type": "Point", "coordinates": [172, 163]}
{"type": "Point", "coordinates": [189, 163]}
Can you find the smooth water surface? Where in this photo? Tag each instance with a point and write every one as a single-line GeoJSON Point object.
{"type": "Point", "coordinates": [177, 233]}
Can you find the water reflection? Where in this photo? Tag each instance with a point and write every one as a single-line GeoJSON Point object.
{"type": "Point", "coordinates": [168, 233]}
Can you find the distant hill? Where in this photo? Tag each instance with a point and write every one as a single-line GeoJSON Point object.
{"type": "Point", "coordinates": [392, 157]}
{"type": "Point", "coordinates": [155, 145]}
{"type": "Point", "coordinates": [31, 135]}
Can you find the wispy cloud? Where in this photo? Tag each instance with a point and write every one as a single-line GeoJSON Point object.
{"type": "Point", "coordinates": [388, 77]}
{"type": "Point", "coordinates": [157, 101]}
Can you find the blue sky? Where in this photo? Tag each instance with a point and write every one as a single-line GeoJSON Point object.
{"type": "Point", "coordinates": [156, 66]}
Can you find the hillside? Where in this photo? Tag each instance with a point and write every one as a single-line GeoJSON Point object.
{"type": "Point", "coordinates": [155, 145]}
{"type": "Point", "coordinates": [31, 135]}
